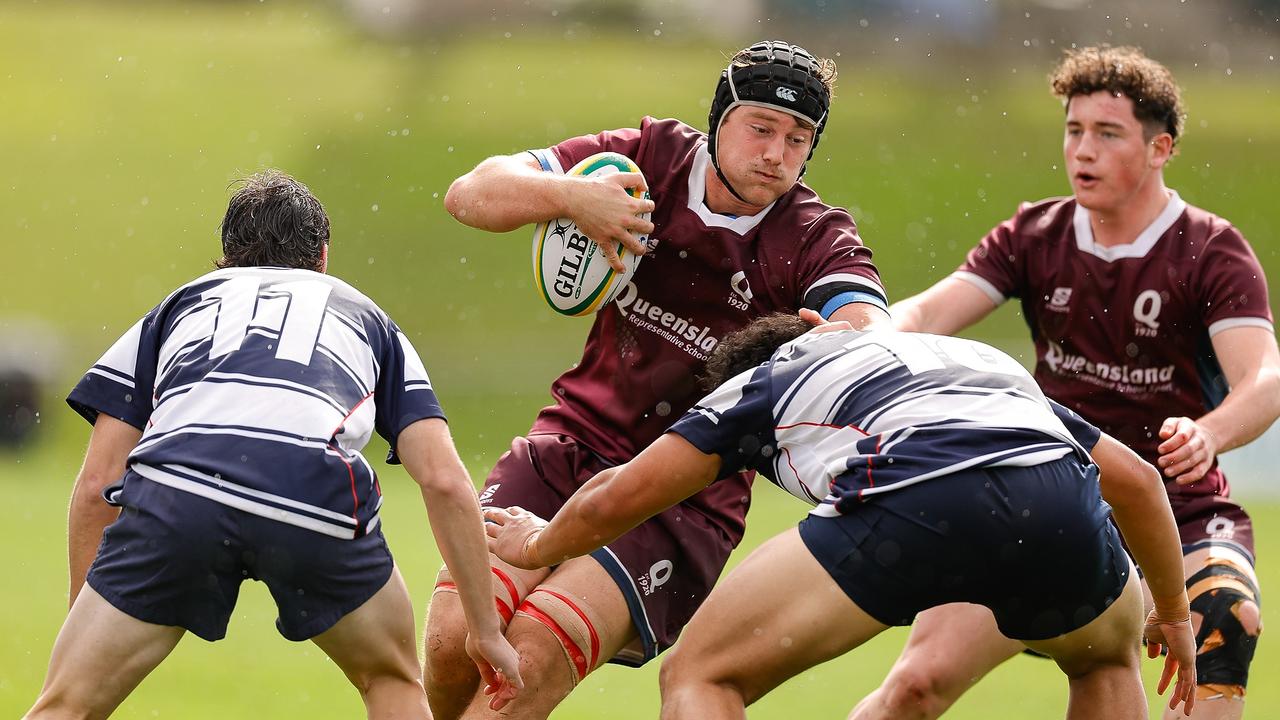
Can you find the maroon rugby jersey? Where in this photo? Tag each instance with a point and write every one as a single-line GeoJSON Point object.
{"type": "Point", "coordinates": [1122, 333]}
{"type": "Point", "coordinates": [705, 275]}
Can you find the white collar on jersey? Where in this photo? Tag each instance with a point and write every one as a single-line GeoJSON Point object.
{"type": "Point", "coordinates": [1139, 247]}
{"type": "Point", "coordinates": [698, 195]}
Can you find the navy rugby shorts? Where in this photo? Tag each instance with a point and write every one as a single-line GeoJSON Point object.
{"type": "Point", "coordinates": [664, 567]}
{"type": "Point", "coordinates": [1033, 544]}
{"type": "Point", "coordinates": [174, 558]}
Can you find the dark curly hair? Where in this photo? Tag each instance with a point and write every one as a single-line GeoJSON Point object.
{"type": "Point", "coordinates": [1157, 99]}
{"type": "Point", "coordinates": [274, 220]}
{"type": "Point", "coordinates": [754, 344]}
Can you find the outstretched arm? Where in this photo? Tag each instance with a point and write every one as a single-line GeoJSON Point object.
{"type": "Point", "coordinates": [1251, 363]}
{"type": "Point", "coordinates": [1141, 509]}
{"type": "Point", "coordinates": [427, 451]}
{"type": "Point", "coordinates": [946, 308]}
{"type": "Point", "coordinates": [104, 463]}
{"type": "Point", "coordinates": [860, 316]}
{"type": "Point", "coordinates": [608, 505]}
{"type": "Point", "coordinates": [505, 192]}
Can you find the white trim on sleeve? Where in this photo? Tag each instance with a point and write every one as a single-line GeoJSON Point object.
{"type": "Point", "coordinates": [982, 284]}
{"type": "Point", "coordinates": [849, 278]}
{"type": "Point", "coordinates": [1229, 323]}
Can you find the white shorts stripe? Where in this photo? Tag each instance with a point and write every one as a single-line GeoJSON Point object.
{"type": "Point", "coordinates": [279, 499]}
{"type": "Point", "coordinates": [244, 504]}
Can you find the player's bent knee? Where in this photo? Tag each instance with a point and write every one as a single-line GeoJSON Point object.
{"type": "Point", "coordinates": [80, 700]}
{"type": "Point", "coordinates": [371, 680]}
{"type": "Point", "coordinates": [507, 587]}
{"type": "Point", "coordinates": [446, 632]}
{"type": "Point", "coordinates": [678, 669]}
{"type": "Point", "coordinates": [447, 668]}
{"type": "Point", "coordinates": [683, 680]}
{"type": "Point", "coordinates": [911, 692]}
{"type": "Point", "coordinates": [1226, 598]}
{"type": "Point", "coordinates": [571, 623]}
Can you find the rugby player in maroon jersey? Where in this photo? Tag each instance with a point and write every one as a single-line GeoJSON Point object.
{"type": "Point", "coordinates": [733, 235]}
{"type": "Point", "coordinates": [1150, 318]}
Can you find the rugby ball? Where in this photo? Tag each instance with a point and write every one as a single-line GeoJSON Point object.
{"type": "Point", "coordinates": [570, 270]}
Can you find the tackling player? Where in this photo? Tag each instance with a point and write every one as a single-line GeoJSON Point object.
{"type": "Point", "coordinates": [940, 473]}
{"type": "Point", "coordinates": [1150, 318]}
{"type": "Point", "coordinates": [227, 427]}
{"type": "Point", "coordinates": [734, 235]}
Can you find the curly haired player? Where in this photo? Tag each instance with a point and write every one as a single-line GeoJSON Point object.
{"type": "Point", "coordinates": [1150, 318]}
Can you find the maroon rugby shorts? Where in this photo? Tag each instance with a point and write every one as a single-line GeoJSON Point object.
{"type": "Point", "coordinates": [1212, 519]}
{"type": "Point", "coordinates": [665, 567]}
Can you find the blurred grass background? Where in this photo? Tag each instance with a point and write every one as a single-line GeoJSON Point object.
{"type": "Point", "coordinates": [123, 124]}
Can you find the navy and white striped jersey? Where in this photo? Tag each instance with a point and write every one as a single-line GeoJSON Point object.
{"type": "Point", "coordinates": [257, 388]}
{"type": "Point", "coordinates": [836, 418]}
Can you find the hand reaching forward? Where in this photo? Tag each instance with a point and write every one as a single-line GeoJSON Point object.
{"type": "Point", "coordinates": [1188, 450]}
{"type": "Point", "coordinates": [499, 666]}
{"type": "Point", "coordinates": [821, 324]}
{"type": "Point", "coordinates": [1179, 638]}
{"type": "Point", "coordinates": [511, 533]}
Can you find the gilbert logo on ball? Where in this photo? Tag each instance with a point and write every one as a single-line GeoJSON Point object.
{"type": "Point", "coordinates": [572, 274]}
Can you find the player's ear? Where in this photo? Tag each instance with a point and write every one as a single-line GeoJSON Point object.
{"type": "Point", "coordinates": [1160, 150]}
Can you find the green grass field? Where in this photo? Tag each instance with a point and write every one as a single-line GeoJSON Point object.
{"type": "Point", "coordinates": [256, 673]}
{"type": "Point", "coordinates": [125, 122]}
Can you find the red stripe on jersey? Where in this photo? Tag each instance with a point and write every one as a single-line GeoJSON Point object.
{"type": "Point", "coordinates": [355, 499]}
{"type": "Point", "coordinates": [342, 422]}
{"type": "Point", "coordinates": [351, 473]}
{"type": "Point", "coordinates": [591, 629]}
{"type": "Point", "coordinates": [830, 483]}
{"type": "Point", "coordinates": [818, 424]}
{"type": "Point", "coordinates": [870, 481]}
{"type": "Point", "coordinates": [575, 653]}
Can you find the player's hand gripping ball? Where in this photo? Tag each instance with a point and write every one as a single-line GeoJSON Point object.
{"type": "Point", "coordinates": [571, 272]}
